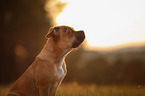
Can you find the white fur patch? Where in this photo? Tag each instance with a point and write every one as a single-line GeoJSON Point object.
{"type": "Point", "coordinates": [56, 83]}
{"type": "Point", "coordinates": [60, 71]}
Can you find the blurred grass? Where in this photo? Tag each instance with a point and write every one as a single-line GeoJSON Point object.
{"type": "Point", "coordinates": [73, 89]}
{"type": "Point", "coordinates": [4, 90]}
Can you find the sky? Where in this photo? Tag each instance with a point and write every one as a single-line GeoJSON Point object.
{"type": "Point", "coordinates": [106, 23]}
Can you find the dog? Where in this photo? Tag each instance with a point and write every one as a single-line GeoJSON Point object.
{"type": "Point", "coordinates": [45, 74]}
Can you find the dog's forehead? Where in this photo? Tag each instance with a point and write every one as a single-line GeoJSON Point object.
{"type": "Point", "coordinates": [63, 28]}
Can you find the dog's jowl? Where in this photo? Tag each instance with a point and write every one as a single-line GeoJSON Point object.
{"type": "Point", "coordinates": [46, 73]}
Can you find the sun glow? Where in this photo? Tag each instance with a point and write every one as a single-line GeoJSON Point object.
{"type": "Point", "coordinates": [106, 23]}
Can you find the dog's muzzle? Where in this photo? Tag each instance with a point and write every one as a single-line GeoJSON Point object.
{"type": "Point", "coordinates": [80, 36]}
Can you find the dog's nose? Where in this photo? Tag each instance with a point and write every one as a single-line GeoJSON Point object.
{"type": "Point", "coordinates": [80, 34]}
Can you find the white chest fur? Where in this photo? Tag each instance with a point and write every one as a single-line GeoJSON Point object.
{"type": "Point", "coordinates": [60, 74]}
{"type": "Point", "coordinates": [60, 71]}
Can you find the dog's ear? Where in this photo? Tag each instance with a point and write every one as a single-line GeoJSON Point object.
{"type": "Point", "coordinates": [49, 34]}
{"type": "Point", "coordinates": [52, 32]}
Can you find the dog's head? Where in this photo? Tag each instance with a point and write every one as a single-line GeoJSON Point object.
{"type": "Point", "coordinates": [66, 37]}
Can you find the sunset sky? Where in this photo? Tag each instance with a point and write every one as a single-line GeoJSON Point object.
{"type": "Point", "coordinates": [106, 23]}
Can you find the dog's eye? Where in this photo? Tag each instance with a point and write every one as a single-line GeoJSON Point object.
{"type": "Point", "coordinates": [70, 32]}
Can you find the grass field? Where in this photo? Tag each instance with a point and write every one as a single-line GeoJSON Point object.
{"type": "Point", "coordinates": [73, 89]}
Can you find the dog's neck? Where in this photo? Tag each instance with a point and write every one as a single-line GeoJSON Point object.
{"type": "Point", "coordinates": [52, 53]}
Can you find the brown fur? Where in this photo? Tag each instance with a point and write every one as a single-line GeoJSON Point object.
{"type": "Point", "coordinates": [45, 74]}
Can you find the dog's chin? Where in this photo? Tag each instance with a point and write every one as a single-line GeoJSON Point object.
{"type": "Point", "coordinates": [76, 44]}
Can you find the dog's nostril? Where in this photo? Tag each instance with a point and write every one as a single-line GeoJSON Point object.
{"type": "Point", "coordinates": [81, 31]}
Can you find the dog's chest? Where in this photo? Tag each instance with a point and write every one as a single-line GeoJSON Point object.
{"type": "Point", "coordinates": [60, 72]}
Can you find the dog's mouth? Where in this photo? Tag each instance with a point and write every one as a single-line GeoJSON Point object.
{"type": "Point", "coordinates": [80, 36]}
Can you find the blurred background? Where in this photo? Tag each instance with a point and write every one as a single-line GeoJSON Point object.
{"type": "Point", "coordinates": [114, 50]}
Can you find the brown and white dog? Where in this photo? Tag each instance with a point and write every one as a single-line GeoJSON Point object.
{"type": "Point", "coordinates": [46, 73]}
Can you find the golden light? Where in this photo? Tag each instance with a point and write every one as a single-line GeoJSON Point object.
{"type": "Point", "coordinates": [106, 23]}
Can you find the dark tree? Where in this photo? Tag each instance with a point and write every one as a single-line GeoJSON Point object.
{"type": "Point", "coordinates": [23, 25]}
